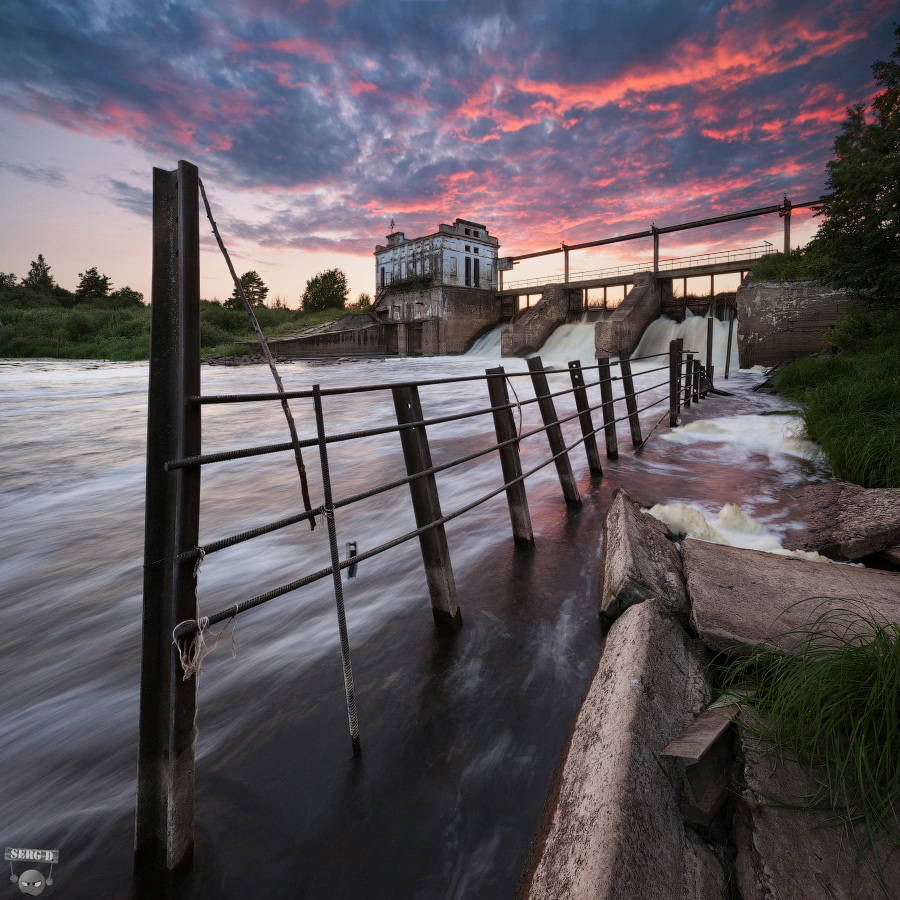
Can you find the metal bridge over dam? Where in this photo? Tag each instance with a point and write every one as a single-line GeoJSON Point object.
{"type": "Point", "coordinates": [417, 317]}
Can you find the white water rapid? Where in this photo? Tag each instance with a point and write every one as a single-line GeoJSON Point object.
{"type": "Point", "coordinates": [692, 329]}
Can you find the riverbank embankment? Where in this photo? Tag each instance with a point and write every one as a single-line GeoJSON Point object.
{"type": "Point", "coordinates": [657, 794]}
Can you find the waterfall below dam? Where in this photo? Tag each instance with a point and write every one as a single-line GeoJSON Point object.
{"type": "Point", "coordinates": [576, 341]}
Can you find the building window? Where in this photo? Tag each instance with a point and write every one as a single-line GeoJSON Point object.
{"type": "Point", "coordinates": [382, 276]}
{"type": "Point", "coordinates": [468, 232]}
{"type": "Point", "coordinates": [477, 266]}
{"type": "Point", "coordinates": [468, 249]}
{"type": "Point", "coordinates": [468, 272]}
{"type": "Point", "coordinates": [475, 234]}
{"type": "Point", "coordinates": [476, 249]}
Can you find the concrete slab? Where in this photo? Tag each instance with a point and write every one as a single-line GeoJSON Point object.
{"type": "Point", "coordinates": [612, 826]}
{"type": "Point", "coordinates": [786, 853]}
{"type": "Point", "coordinates": [746, 598]}
{"type": "Point", "coordinates": [639, 561]}
{"type": "Point", "coordinates": [845, 521]}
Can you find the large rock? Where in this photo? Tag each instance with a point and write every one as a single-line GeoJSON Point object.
{"type": "Point", "coordinates": [746, 598]}
{"type": "Point", "coordinates": [845, 521]}
{"type": "Point", "coordinates": [639, 561]}
{"type": "Point", "coordinates": [787, 853]}
{"type": "Point", "coordinates": [612, 827]}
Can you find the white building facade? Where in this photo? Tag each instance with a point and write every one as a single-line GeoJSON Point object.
{"type": "Point", "coordinates": [460, 255]}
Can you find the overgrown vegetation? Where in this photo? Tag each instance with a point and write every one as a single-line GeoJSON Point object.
{"type": "Point", "coordinates": [38, 318]}
{"type": "Point", "coordinates": [850, 402]}
{"type": "Point", "coordinates": [834, 703]}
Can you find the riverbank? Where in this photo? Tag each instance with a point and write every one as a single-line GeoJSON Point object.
{"type": "Point", "coordinates": [850, 402]}
{"type": "Point", "coordinates": [656, 794]}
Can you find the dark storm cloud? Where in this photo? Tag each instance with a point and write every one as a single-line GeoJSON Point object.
{"type": "Point", "coordinates": [348, 112]}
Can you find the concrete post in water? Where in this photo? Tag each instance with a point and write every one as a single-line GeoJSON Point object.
{"type": "Point", "coordinates": [674, 369]}
{"type": "Point", "coordinates": [609, 414]}
{"type": "Point", "coordinates": [427, 508]}
{"type": "Point", "coordinates": [585, 418]}
{"type": "Point", "coordinates": [728, 348]}
{"type": "Point", "coordinates": [710, 325]}
{"type": "Point", "coordinates": [164, 820]}
{"type": "Point", "coordinates": [634, 422]}
{"type": "Point", "coordinates": [554, 432]}
{"type": "Point", "coordinates": [688, 379]}
{"type": "Point", "coordinates": [510, 463]}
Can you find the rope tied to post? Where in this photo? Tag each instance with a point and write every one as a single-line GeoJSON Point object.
{"type": "Point", "coordinates": [193, 653]}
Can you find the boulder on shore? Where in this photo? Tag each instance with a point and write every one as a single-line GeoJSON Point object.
{"type": "Point", "coordinates": [846, 521]}
{"type": "Point", "coordinates": [639, 562]}
{"type": "Point", "coordinates": [748, 598]}
{"type": "Point", "coordinates": [612, 827]}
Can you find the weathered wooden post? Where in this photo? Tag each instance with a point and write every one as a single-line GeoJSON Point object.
{"type": "Point", "coordinates": [609, 412]}
{"type": "Point", "coordinates": [679, 371]}
{"type": "Point", "coordinates": [696, 385]}
{"type": "Point", "coordinates": [674, 372]}
{"type": "Point", "coordinates": [510, 463]}
{"type": "Point", "coordinates": [634, 422]}
{"type": "Point", "coordinates": [427, 508]}
{"type": "Point", "coordinates": [584, 417]}
{"type": "Point", "coordinates": [164, 820]}
{"type": "Point", "coordinates": [554, 432]}
{"type": "Point", "coordinates": [688, 379]}
{"type": "Point", "coordinates": [728, 348]}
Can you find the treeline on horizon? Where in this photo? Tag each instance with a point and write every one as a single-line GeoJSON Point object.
{"type": "Point", "coordinates": [40, 318]}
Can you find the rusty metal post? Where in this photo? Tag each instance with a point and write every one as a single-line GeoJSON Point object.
{"type": "Point", "coordinates": [634, 422]}
{"type": "Point", "coordinates": [427, 508]}
{"type": "Point", "coordinates": [510, 463]}
{"type": "Point", "coordinates": [336, 574]}
{"type": "Point", "coordinates": [679, 370]}
{"type": "Point", "coordinates": [710, 325]}
{"type": "Point", "coordinates": [554, 432]}
{"type": "Point", "coordinates": [674, 370]}
{"type": "Point", "coordinates": [688, 379]}
{"type": "Point", "coordinates": [655, 249]}
{"type": "Point", "coordinates": [728, 348]}
{"type": "Point", "coordinates": [696, 386]}
{"type": "Point", "coordinates": [609, 413]}
{"type": "Point", "coordinates": [164, 819]}
{"type": "Point", "coordinates": [566, 259]}
{"type": "Point", "coordinates": [584, 417]}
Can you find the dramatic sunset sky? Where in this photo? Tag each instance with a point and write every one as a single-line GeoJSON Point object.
{"type": "Point", "coordinates": [315, 122]}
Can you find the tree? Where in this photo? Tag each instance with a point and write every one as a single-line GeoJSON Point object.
{"type": "Point", "coordinates": [363, 301]}
{"type": "Point", "coordinates": [39, 277]}
{"type": "Point", "coordinates": [127, 296]}
{"type": "Point", "coordinates": [7, 281]}
{"type": "Point", "coordinates": [859, 239]}
{"type": "Point", "coordinates": [326, 290]}
{"type": "Point", "coordinates": [93, 285]}
{"type": "Point", "coordinates": [254, 288]}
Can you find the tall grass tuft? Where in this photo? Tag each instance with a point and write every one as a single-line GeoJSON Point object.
{"type": "Point", "coordinates": [834, 703]}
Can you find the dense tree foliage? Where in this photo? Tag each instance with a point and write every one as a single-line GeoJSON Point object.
{"type": "Point", "coordinates": [92, 285]}
{"type": "Point", "coordinates": [326, 290]}
{"type": "Point", "coordinates": [254, 288]}
{"type": "Point", "coordinates": [858, 244]}
{"type": "Point", "coordinates": [39, 277]}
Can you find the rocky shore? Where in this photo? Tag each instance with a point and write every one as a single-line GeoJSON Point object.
{"type": "Point", "coordinates": [657, 793]}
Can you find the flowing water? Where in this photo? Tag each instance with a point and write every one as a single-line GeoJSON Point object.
{"type": "Point", "coordinates": [460, 736]}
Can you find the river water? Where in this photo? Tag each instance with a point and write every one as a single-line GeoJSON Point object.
{"type": "Point", "coordinates": [460, 736]}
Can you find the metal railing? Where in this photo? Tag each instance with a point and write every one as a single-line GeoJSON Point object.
{"type": "Point", "coordinates": [741, 254]}
{"type": "Point", "coordinates": [174, 633]}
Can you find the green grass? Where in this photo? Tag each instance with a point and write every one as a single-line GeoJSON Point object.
{"type": "Point", "coordinates": [834, 704]}
{"type": "Point", "coordinates": [84, 332]}
{"type": "Point", "coordinates": [850, 403]}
